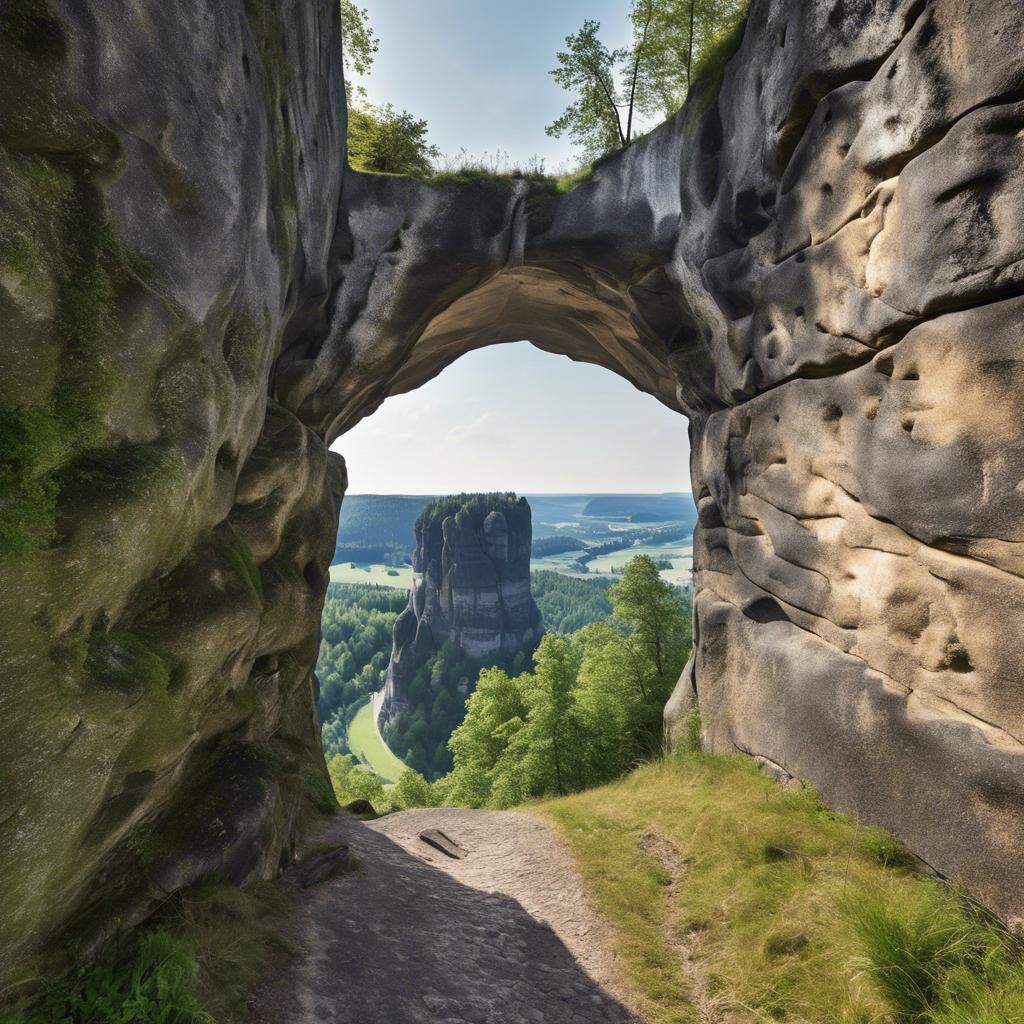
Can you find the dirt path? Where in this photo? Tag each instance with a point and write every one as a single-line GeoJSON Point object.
{"type": "Point", "coordinates": [504, 936]}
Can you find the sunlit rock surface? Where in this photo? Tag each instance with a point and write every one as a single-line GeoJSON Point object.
{"type": "Point", "coordinates": [820, 262]}
{"type": "Point", "coordinates": [470, 588]}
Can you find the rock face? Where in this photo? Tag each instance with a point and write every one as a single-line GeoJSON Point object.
{"type": "Point", "coordinates": [470, 587]}
{"type": "Point", "coordinates": [820, 262]}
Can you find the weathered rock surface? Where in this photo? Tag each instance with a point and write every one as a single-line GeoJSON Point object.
{"type": "Point", "coordinates": [470, 588]}
{"type": "Point", "coordinates": [505, 935]}
{"type": "Point", "coordinates": [820, 263]}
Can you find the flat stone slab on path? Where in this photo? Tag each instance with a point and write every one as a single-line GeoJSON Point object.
{"type": "Point", "coordinates": [503, 936]}
{"type": "Point", "coordinates": [439, 841]}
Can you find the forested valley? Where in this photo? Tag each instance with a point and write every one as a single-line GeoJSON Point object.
{"type": "Point", "coordinates": [586, 711]}
{"type": "Point", "coordinates": [355, 645]}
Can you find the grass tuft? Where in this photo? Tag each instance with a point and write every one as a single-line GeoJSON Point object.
{"type": "Point", "coordinates": [199, 963]}
{"type": "Point", "coordinates": [885, 848]}
{"type": "Point", "coordinates": [235, 936]}
{"type": "Point", "coordinates": [937, 957]}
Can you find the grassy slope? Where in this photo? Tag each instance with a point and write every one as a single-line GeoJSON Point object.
{"type": "Point", "coordinates": [364, 741]}
{"type": "Point", "coordinates": [769, 889]}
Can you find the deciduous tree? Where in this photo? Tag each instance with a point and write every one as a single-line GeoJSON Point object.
{"type": "Point", "coordinates": [651, 76]}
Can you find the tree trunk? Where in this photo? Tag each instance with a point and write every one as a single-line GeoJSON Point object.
{"type": "Point", "coordinates": [689, 55]}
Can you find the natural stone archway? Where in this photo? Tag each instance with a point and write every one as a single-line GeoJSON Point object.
{"type": "Point", "coordinates": [819, 263]}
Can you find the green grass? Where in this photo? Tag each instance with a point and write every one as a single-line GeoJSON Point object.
{"type": "Point", "coordinates": [797, 913]}
{"type": "Point", "coordinates": [679, 553]}
{"type": "Point", "coordinates": [939, 958]}
{"type": "Point", "coordinates": [197, 963]}
{"type": "Point", "coordinates": [364, 741]}
{"type": "Point", "coordinates": [235, 938]}
{"type": "Point", "coordinates": [149, 983]}
{"type": "Point", "coordinates": [398, 577]}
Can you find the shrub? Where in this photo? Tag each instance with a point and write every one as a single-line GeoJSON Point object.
{"type": "Point", "coordinates": [352, 781]}
{"type": "Point", "coordinates": [412, 790]}
{"type": "Point", "coordinates": [150, 983]}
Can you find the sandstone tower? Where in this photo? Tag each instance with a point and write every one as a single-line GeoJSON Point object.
{"type": "Point", "coordinates": [471, 587]}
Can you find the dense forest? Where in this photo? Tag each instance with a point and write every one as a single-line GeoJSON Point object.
{"type": "Point", "coordinates": [556, 545]}
{"type": "Point", "coordinates": [438, 693]}
{"type": "Point", "coordinates": [476, 506]}
{"type": "Point", "coordinates": [355, 645]}
{"type": "Point", "coordinates": [569, 603]}
{"type": "Point", "coordinates": [588, 711]}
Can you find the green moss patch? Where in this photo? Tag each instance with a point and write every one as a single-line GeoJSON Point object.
{"type": "Point", "coordinates": [127, 662]}
{"type": "Point", "coordinates": [56, 242]}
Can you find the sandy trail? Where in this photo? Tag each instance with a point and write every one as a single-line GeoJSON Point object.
{"type": "Point", "coordinates": [504, 936]}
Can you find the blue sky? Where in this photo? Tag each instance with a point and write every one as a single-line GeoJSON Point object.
{"type": "Point", "coordinates": [509, 416]}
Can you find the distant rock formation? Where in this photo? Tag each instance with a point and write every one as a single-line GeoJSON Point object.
{"type": "Point", "coordinates": [470, 587]}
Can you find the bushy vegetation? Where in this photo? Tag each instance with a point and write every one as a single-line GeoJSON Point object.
{"type": "Point", "coordinates": [389, 141]}
{"type": "Point", "coordinates": [355, 645]}
{"type": "Point", "coordinates": [437, 694]}
{"type": "Point", "coordinates": [569, 604]}
{"type": "Point", "coordinates": [197, 963]}
{"type": "Point", "coordinates": [150, 983]}
{"type": "Point", "coordinates": [788, 911]}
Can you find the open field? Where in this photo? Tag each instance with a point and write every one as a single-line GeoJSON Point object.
{"type": "Point", "coordinates": [679, 553]}
{"type": "Point", "coordinates": [349, 572]}
{"type": "Point", "coordinates": [364, 741]}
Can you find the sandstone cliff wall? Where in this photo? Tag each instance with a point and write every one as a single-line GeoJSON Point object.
{"type": "Point", "coordinates": [470, 588]}
{"type": "Point", "coordinates": [819, 262]}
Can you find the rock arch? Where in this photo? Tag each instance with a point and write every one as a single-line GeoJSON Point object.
{"type": "Point", "coordinates": [818, 261]}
